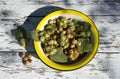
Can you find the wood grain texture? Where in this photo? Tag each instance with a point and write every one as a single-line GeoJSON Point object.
{"type": "Point", "coordinates": [59, 2]}
{"type": "Point", "coordinates": [102, 66]}
{"type": "Point", "coordinates": [109, 36]}
{"type": "Point", "coordinates": [13, 11]}
{"type": "Point", "coordinates": [22, 8]}
{"type": "Point", "coordinates": [104, 13]}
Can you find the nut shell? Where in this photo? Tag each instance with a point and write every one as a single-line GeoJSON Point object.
{"type": "Point", "coordinates": [29, 56]}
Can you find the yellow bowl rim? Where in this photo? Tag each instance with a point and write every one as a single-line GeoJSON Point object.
{"type": "Point", "coordinates": [74, 66]}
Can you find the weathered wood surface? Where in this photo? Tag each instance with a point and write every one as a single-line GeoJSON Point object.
{"type": "Point", "coordinates": [103, 66]}
{"type": "Point", "coordinates": [108, 27]}
{"type": "Point", "coordinates": [105, 14]}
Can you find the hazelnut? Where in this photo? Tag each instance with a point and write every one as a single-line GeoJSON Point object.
{"type": "Point", "coordinates": [50, 21]}
{"type": "Point", "coordinates": [60, 29]}
{"type": "Point", "coordinates": [74, 54]}
{"type": "Point", "coordinates": [21, 55]}
{"type": "Point", "coordinates": [72, 46]}
{"type": "Point", "coordinates": [57, 31]}
{"type": "Point", "coordinates": [54, 37]}
{"type": "Point", "coordinates": [63, 32]}
{"type": "Point", "coordinates": [29, 56]}
{"type": "Point", "coordinates": [65, 52]}
{"type": "Point", "coordinates": [26, 62]}
{"type": "Point", "coordinates": [69, 30]}
{"type": "Point", "coordinates": [69, 35]}
{"type": "Point", "coordinates": [47, 54]}
{"type": "Point", "coordinates": [30, 60]}
{"type": "Point", "coordinates": [54, 21]}
{"type": "Point", "coordinates": [25, 58]}
{"type": "Point", "coordinates": [74, 41]}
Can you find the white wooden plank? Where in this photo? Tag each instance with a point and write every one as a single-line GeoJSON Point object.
{"type": "Point", "coordinates": [59, 2]}
{"type": "Point", "coordinates": [21, 11]}
{"type": "Point", "coordinates": [102, 66]}
{"type": "Point", "coordinates": [108, 27]}
{"type": "Point", "coordinates": [105, 14]}
{"type": "Point", "coordinates": [109, 31]}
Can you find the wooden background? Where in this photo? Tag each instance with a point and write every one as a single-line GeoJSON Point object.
{"type": "Point", "coordinates": [104, 13]}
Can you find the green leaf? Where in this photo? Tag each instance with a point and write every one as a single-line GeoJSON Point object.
{"type": "Point", "coordinates": [23, 42]}
{"type": "Point", "coordinates": [35, 35]}
{"type": "Point", "coordinates": [87, 26]}
{"type": "Point", "coordinates": [88, 33]}
{"type": "Point", "coordinates": [59, 57]}
{"type": "Point", "coordinates": [88, 48]}
{"type": "Point", "coordinates": [82, 41]}
{"type": "Point", "coordinates": [17, 33]}
{"type": "Point", "coordinates": [22, 31]}
{"type": "Point", "coordinates": [80, 48]}
{"type": "Point", "coordinates": [72, 27]}
{"type": "Point", "coordinates": [83, 34]}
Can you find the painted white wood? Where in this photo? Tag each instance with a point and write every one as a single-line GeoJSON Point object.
{"type": "Point", "coordinates": [59, 2]}
{"type": "Point", "coordinates": [109, 35]}
{"type": "Point", "coordinates": [105, 66]}
{"type": "Point", "coordinates": [104, 13]}
{"type": "Point", "coordinates": [21, 10]}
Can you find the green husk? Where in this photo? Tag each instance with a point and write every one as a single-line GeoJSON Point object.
{"type": "Point", "coordinates": [19, 32]}
{"type": "Point", "coordinates": [35, 35]}
{"type": "Point", "coordinates": [86, 46]}
{"type": "Point", "coordinates": [83, 34]}
{"type": "Point", "coordinates": [87, 26]}
{"type": "Point", "coordinates": [21, 35]}
{"type": "Point", "coordinates": [23, 31]}
{"type": "Point", "coordinates": [23, 42]}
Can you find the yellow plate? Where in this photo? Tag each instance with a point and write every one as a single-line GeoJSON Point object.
{"type": "Point", "coordinates": [69, 14]}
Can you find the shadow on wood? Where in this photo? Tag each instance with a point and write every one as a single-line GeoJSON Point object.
{"type": "Point", "coordinates": [31, 22]}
